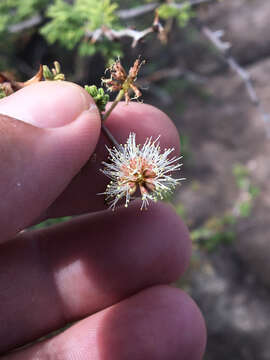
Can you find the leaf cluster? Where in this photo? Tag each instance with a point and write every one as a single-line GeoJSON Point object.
{"type": "Point", "coordinates": [68, 24]}
{"type": "Point", "coordinates": [101, 99]}
{"type": "Point", "coordinates": [215, 232]}
{"type": "Point", "coordinates": [221, 230]}
{"type": "Point", "coordinates": [14, 11]}
{"type": "Point", "coordinates": [54, 73]}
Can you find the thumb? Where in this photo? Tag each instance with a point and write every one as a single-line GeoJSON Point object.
{"type": "Point", "coordinates": [48, 131]}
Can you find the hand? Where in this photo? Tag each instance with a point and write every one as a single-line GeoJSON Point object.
{"type": "Point", "coordinates": [109, 269]}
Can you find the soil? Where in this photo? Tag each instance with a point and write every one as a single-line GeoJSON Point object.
{"type": "Point", "coordinates": [231, 284]}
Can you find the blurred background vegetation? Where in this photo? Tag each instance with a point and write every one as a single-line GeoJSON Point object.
{"type": "Point", "coordinates": [218, 96]}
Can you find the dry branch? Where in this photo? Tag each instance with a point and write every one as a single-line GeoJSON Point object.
{"type": "Point", "coordinates": [190, 3]}
{"type": "Point", "coordinates": [136, 11]}
{"type": "Point", "coordinates": [223, 49]}
{"type": "Point", "coordinates": [26, 24]}
{"type": "Point", "coordinates": [124, 14]}
{"type": "Point", "coordinates": [113, 35]}
{"type": "Point", "coordinates": [135, 35]}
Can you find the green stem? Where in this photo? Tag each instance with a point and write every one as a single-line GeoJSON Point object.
{"type": "Point", "coordinates": [118, 98]}
{"type": "Point", "coordinates": [110, 136]}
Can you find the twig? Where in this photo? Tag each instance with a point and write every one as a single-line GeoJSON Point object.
{"type": "Point", "coordinates": [215, 38]}
{"type": "Point", "coordinates": [26, 24]}
{"type": "Point", "coordinates": [190, 3]}
{"type": "Point", "coordinates": [223, 49]}
{"type": "Point", "coordinates": [112, 34]}
{"type": "Point", "coordinates": [136, 35]}
{"type": "Point", "coordinates": [110, 136]}
{"type": "Point", "coordinates": [245, 76]}
{"type": "Point", "coordinates": [144, 9]}
{"type": "Point", "coordinates": [124, 14]}
{"type": "Point", "coordinates": [113, 105]}
{"type": "Point", "coordinates": [136, 11]}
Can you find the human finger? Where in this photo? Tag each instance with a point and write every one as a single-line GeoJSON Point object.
{"type": "Point", "coordinates": [66, 272]}
{"type": "Point", "coordinates": [159, 323]}
{"type": "Point", "coordinates": [39, 158]}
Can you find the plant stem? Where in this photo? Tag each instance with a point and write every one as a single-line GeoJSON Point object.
{"type": "Point", "coordinates": [105, 116]}
{"type": "Point", "coordinates": [110, 136]}
{"type": "Point", "coordinates": [118, 98]}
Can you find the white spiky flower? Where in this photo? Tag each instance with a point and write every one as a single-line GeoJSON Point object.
{"type": "Point", "coordinates": [133, 167]}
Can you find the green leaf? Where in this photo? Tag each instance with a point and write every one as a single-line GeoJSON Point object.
{"type": "Point", "coordinates": [65, 26]}
{"type": "Point", "coordinates": [69, 22]}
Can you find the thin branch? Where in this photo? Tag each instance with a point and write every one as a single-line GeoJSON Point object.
{"type": "Point", "coordinates": [113, 35]}
{"type": "Point", "coordinates": [136, 35]}
{"type": "Point", "coordinates": [113, 105]}
{"type": "Point", "coordinates": [110, 136]}
{"type": "Point", "coordinates": [124, 14]}
{"type": "Point", "coordinates": [245, 76]}
{"type": "Point", "coordinates": [136, 11]}
{"type": "Point", "coordinates": [190, 3]}
{"type": "Point", "coordinates": [223, 49]}
{"type": "Point", "coordinates": [26, 24]}
{"type": "Point", "coordinates": [144, 9]}
{"type": "Point", "coordinates": [215, 38]}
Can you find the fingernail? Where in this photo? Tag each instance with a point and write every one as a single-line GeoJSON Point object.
{"type": "Point", "coordinates": [48, 104]}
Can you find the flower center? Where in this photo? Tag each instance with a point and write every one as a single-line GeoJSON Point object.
{"type": "Point", "coordinates": [138, 173]}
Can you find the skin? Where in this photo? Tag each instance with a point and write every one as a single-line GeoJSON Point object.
{"type": "Point", "coordinates": [108, 271]}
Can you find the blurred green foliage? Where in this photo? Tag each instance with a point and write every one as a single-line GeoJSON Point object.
{"type": "Point", "coordinates": [183, 15]}
{"type": "Point", "coordinates": [216, 231]}
{"type": "Point", "coordinates": [14, 11]}
{"type": "Point", "coordinates": [221, 230]}
{"type": "Point", "coordinates": [69, 24]}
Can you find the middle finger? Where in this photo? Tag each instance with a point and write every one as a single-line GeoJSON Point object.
{"type": "Point", "coordinates": [63, 273]}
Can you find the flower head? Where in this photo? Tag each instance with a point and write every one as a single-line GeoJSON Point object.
{"type": "Point", "coordinates": [146, 168]}
{"type": "Point", "coordinates": [120, 80]}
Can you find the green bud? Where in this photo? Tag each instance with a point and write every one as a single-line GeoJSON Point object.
{"type": "Point", "coordinates": [101, 92]}
{"type": "Point", "coordinates": [48, 75]}
{"type": "Point", "coordinates": [101, 99]}
{"type": "Point", "coordinates": [54, 73]}
{"type": "Point", "coordinates": [2, 93]}
{"type": "Point", "coordinates": [59, 77]}
{"type": "Point", "coordinates": [92, 90]}
{"type": "Point", "coordinates": [57, 67]}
